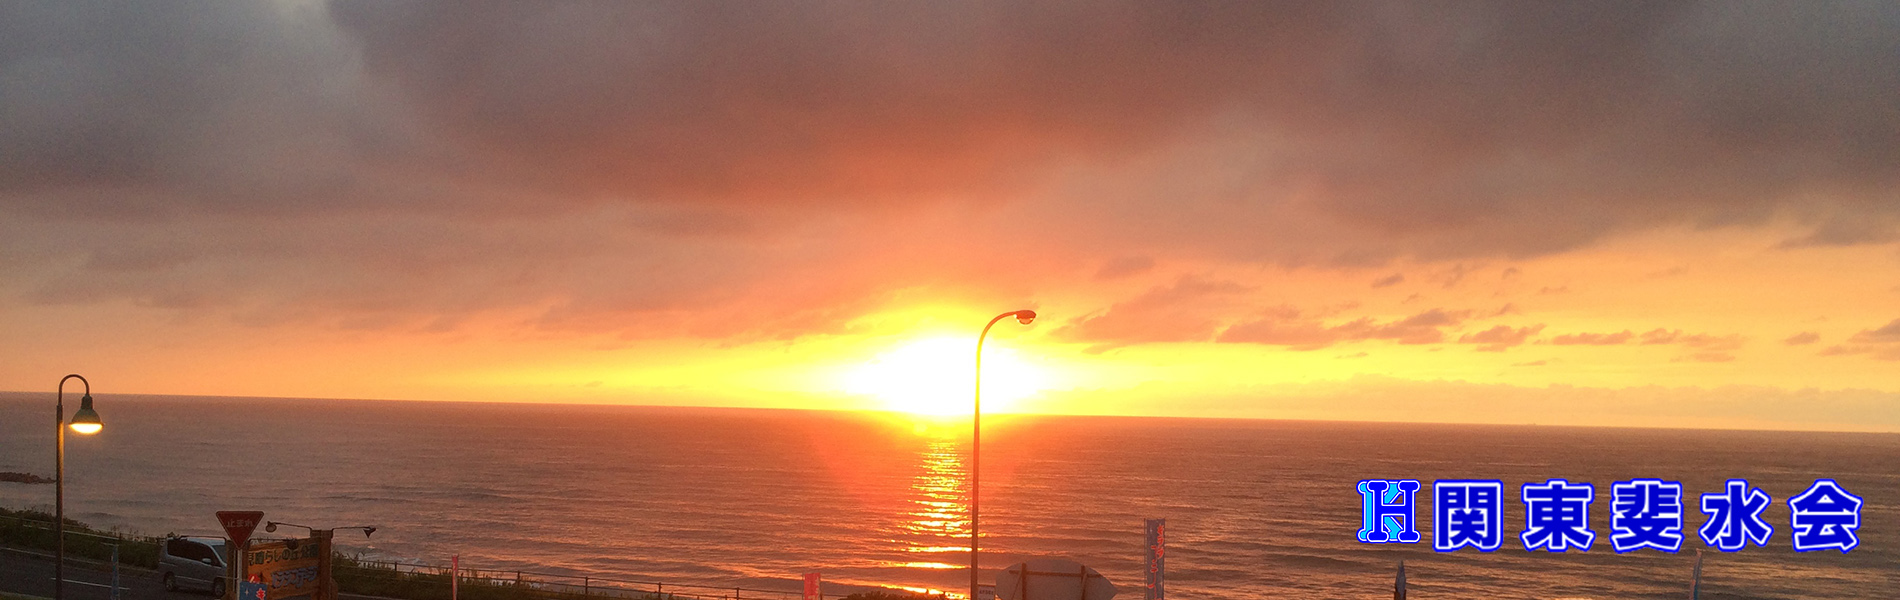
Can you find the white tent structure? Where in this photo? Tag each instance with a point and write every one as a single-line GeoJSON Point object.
{"type": "Point", "coordinates": [1052, 579]}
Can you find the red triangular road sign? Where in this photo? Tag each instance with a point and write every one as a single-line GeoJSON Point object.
{"type": "Point", "coordinates": [238, 524]}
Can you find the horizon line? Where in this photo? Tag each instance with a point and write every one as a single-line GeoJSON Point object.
{"type": "Point", "coordinates": [5, 393]}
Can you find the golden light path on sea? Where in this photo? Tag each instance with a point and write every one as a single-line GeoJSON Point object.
{"type": "Point", "coordinates": [939, 511]}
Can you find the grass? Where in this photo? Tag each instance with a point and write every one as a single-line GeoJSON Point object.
{"type": "Point", "coordinates": [34, 529]}
{"type": "Point", "coordinates": [354, 577]}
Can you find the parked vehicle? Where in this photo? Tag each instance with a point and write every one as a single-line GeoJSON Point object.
{"type": "Point", "coordinates": [200, 562]}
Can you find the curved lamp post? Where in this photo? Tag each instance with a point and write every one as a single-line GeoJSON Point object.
{"type": "Point", "coordinates": [85, 421]}
{"type": "Point", "coordinates": [976, 435]}
{"type": "Point", "coordinates": [271, 527]}
{"type": "Point", "coordinates": [318, 534]}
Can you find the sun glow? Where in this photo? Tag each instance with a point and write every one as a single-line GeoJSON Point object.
{"type": "Point", "coordinates": [936, 376]}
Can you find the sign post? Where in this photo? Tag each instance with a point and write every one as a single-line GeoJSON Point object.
{"type": "Point", "coordinates": [1157, 559]}
{"type": "Point", "coordinates": [238, 525]}
{"type": "Point", "coordinates": [326, 578]}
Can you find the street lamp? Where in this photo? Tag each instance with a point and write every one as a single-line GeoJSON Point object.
{"type": "Point", "coordinates": [271, 527]}
{"type": "Point", "coordinates": [85, 421]}
{"type": "Point", "coordinates": [976, 435]}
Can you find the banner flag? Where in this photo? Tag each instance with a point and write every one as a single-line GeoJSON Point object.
{"type": "Point", "coordinates": [1695, 585]}
{"type": "Point", "coordinates": [1398, 585]}
{"type": "Point", "coordinates": [1157, 559]}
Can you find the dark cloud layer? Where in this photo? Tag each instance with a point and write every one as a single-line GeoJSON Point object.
{"type": "Point", "coordinates": [744, 150]}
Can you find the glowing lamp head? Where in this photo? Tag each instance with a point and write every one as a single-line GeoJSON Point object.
{"type": "Point", "coordinates": [1025, 316]}
{"type": "Point", "coordinates": [86, 421]}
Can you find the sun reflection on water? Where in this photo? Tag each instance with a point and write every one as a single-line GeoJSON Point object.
{"type": "Point", "coordinates": [939, 511]}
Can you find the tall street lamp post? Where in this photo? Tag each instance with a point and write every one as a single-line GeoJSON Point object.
{"type": "Point", "coordinates": [85, 421]}
{"type": "Point", "coordinates": [976, 436]}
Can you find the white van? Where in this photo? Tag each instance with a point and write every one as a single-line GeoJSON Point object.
{"type": "Point", "coordinates": [200, 562]}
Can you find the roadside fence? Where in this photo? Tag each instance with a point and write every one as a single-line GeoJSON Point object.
{"type": "Point", "coordinates": [405, 580]}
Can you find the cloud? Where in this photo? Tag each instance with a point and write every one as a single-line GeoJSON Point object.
{"type": "Point", "coordinates": [1886, 334]}
{"type": "Point", "coordinates": [1124, 267]}
{"type": "Point", "coordinates": [1374, 398]}
{"type": "Point", "coordinates": [253, 161]}
{"type": "Point", "coordinates": [833, 104]}
{"type": "Point", "coordinates": [1497, 339]}
{"type": "Point", "coordinates": [1389, 280]}
{"type": "Point", "coordinates": [1702, 347]}
{"type": "Point", "coordinates": [1882, 343]}
{"type": "Point", "coordinates": [1299, 333]}
{"type": "Point", "coordinates": [1704, 341]}
{"type": "Point", "coordinates": [1594, 339]}
{"type": "Point", "coordinates": [1802, 339]}
{"type": "Point", "coordinates": [1185, 311]}
{"type": "Point", "coordinates": [1849, 231]}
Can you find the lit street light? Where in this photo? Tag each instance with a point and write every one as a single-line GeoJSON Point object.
{"type": "Point", "coordinates": [976, 436]}
{"type": "Point", "coordinates": [85, 421]}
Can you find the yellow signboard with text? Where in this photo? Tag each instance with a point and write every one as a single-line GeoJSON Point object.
{"type": "Point", "coordinates": [287, 570]}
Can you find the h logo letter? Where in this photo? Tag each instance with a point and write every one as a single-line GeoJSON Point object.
{"type": "Point", "coordinates": [1390, 516]}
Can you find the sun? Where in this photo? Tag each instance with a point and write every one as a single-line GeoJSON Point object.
{"type": "Point", "coordinates": [936, 376]}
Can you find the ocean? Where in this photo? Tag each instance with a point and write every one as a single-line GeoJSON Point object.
{"type": "Point", "coordinates": [754, 498]}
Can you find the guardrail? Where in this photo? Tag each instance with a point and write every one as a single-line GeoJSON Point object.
{"type": "Point", "coordinates": [433, 581]}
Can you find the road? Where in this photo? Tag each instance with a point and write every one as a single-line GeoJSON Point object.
{"type": "Point", "coordinates": [31, 573]}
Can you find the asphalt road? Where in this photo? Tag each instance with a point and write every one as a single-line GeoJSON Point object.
{"type": "Point", "coordinates": [27, 572]}
{"type": "Point", "coordinates": [30, 572]}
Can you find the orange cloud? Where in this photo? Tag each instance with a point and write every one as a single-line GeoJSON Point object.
{"type": "Point", "coordinates": [1882, 343]}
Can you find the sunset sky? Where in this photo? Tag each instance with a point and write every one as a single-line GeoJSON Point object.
{"type": "Point", "coordinates": [1649, 214]}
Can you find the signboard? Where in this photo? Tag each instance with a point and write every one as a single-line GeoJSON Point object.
{"type": "Point", "coordinates": [286, 571]}
{"type": "Point", "coordinates": [250, 591]}
{"type": "Point", "coordinates": [1157, 559]}
{"type": "Point", "coordinates": [238, 525]}
{"type": "Point", "coordinates": [812, 587]}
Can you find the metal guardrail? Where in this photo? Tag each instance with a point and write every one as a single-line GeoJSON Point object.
{"type": "Point", "coordinates": [551, 584]}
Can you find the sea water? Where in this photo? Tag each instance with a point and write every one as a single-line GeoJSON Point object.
{"type": "Point", "coordinates": [754, 498]}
